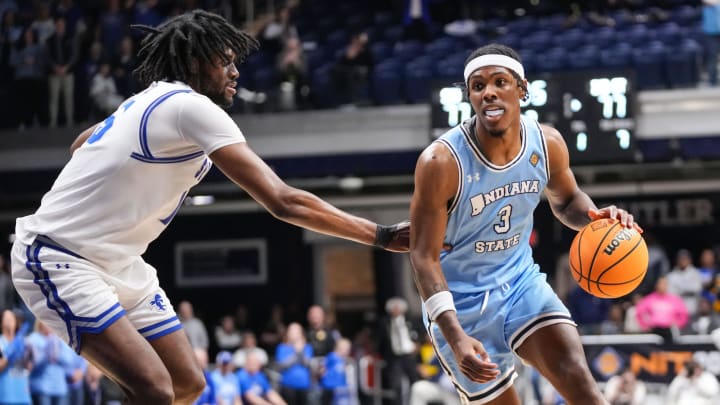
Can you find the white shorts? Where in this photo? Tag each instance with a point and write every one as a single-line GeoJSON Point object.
{"type": "Point", "coordinates": [74, 296]}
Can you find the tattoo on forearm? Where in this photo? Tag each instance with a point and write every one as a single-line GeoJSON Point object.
{"type": "Point", "coordinates": [439, 287]}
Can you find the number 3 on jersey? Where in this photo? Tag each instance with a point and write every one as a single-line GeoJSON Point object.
{"type": "Point", "coordinates": [504, 225]}
{"type": "Point", "coordinates": [108, 123]}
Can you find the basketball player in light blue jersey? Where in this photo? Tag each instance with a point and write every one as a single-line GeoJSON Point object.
{"type": "Point", "coordinates": [476, 188]}
{"type": "Point", "coordinates": [77, 261]}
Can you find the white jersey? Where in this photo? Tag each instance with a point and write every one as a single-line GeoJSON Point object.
{"type": "Point", "coordinates": [120, 189]}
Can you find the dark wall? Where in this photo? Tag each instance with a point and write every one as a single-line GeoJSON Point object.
{"type": "Point", "coordinates": [289, 265]}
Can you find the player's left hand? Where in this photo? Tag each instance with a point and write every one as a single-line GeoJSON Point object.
{"type": "Point", "coordinates": [626, 219]}
{"type": "Point", "coordinates": [399, 237]}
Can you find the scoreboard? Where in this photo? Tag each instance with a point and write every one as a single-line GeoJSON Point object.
{"type": "Point", "coordinates": [594, 111]}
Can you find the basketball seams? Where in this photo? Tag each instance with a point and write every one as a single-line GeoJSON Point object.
{"type": "Point", "coordinates": [618, 261]}
{"type": "Point", "coordinates": [598, 249]}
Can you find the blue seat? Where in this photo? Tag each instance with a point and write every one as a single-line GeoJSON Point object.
{"type": "Point", "coordinates": [393, 34]}
{"type": "Point", "coordinates": [700, 148]}
{"type": "Point", "coordinates": [539, 41]}
{"type": "Point", "coordinates": [686, 15]}
{"type": "Point", "coordinates": [380, 51]}
{"type": "Point", "coordinates": [587, 57]}
{"type": "Point", "coordinates": [407, 50]}
{"type": "Point", "coordinates": [416, 84]}
{"type": "Point", "coordinates": [570, 39]}
{"type": "Point", "coordinates": [321, 82]}
{"type": "Point", "coordinates": [618, 56]}
{"type": "Point", "coordinates": [656, 150]}
{"type": "Point", "coordinates": [603, 37]}
{"type": "Point", "coordinates": [683, 64]}
{"type": "Point", "coordinates": [553, 59]}
{"type": "Point", "coordinates": [336, 40]}
{"type": "Point", "coordinates": [648, 62]}
{"type": "Point", "coordinates": [637, 35]}
{"type": "Point", "coordinates": [387, 86]}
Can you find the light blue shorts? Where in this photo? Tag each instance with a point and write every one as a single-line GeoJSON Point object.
{"type": "Point", "coordinates": [501, 319]}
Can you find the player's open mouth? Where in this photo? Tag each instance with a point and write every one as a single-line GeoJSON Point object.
{"type": "Point", "coordinates": [231, 88]}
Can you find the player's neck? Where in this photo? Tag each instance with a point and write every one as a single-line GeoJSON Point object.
{"type": "Point", "coordinates": [502, 149]}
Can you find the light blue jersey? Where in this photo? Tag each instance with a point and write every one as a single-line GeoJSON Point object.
{"type": "Point", "coordinates": [500, 294]}
{"type": "Point", "coordinates": [491, 217]}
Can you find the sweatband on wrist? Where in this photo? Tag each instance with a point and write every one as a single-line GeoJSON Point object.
{"type": "Point", "coordinates": [493, 60]}
{"type": "Point", "coordinates": [439, 303]}
{"type": "Point", "coordinates": [383, 235]}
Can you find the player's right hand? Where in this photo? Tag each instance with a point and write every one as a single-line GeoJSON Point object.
{"type": "Point", "coordinates": [474, 361]}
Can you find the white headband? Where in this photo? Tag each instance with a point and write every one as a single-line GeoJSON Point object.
{"type": "Point", "coordinates": [494, 60]}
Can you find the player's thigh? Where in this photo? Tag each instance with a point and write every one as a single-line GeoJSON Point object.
{"type": "Point", "coordinates": [126, 357]}
{"type": "Point", "coordinates": [63, 290]}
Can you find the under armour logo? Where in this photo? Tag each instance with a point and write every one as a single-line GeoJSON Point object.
{"type": "Point", "coordinates": [158, 303]}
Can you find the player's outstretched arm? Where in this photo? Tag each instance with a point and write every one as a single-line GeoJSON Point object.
{"type": "Point", "coordinates": [299, 207]}
{"type": "Point", "coordinates": [436, 182]}
{"type": "Point", "coordinates": [569, 203]}
{"type": "Point", "coordinates": [84, 135]}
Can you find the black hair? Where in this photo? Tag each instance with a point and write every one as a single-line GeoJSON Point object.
{"type": "Point", "coordinates": [169, 51]}
{"type": "Point", "coordinates": [500, 49]}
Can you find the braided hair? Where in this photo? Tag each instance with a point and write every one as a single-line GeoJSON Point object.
{"type": "Point", "coordinates": [170, 51]}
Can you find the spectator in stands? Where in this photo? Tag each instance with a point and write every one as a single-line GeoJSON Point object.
{"type": "Point", "coordinates": [10, 33]}
{"type": "Point", "coordinates": [614, 324]}
{"type": "Point", "coordinates": [227, 337]}
{"type": "Point", "coordinates": [587, 310]}
{"type": "Point", "coordinates": [685, 280]}
{"type": "Point", "coordinates": [249, 345]}
{"type": "Point", "coordinates": [146, 12]}
{"type": "Point", "coordinates": [208, 395]}
{"type": "Point", "coordinates": [72, 14]}
{"type": "Point", "coordinates": [75, 374]}
{"type": "Point", "coordinates": [50, 357]}
{"type": "Point", "coordinates": [123, 65]}
{"type": "Point", "coordinates": [397, 337]}
{"type": "Point", "coordinates": [43, 25]}
{"type": "Point", "coordinates": [625, 389]}
{"type": "Point", "coordinates": [661, 311]}
{"type": "Point", "coordinates": [278, 31]}
{"type": "Point", "coordinates": [631, 324]}
{"type": "Point", "coordinates": [254, 385]}
{"type": "Point", "coordinates": [89, 66]}
{"type": "Point", "coordinates": [30, 63]}
{"type": "Point", "coordinates": [100, 390]}
{"type": "Point", "coordinates": [194, 327]}
{"type": "Point", "coordinates": [113, 26]}
{"type": "Point", "coordinates": [62, 55]}
{"type": "Point", "coordinates": [7, 291]}
{"type": "Point", "coordinates": [227, 390]}
{"type": "Point", "coordinates": [292, 75]}
{"type": "Point", "coordinates": [434, 387]}
{"type": "Point", "coordinates": [334, 382]}
{"type": "Point", "coordinates": [293, 358]}
{"type": "Point", "coordinates": [353, 70]}
{"type": "Point", "coordinates": [693, 386]}
{"type": "Point", "coordinates": [8, 6]}
{"type": "Point", "coordinates": [14, 364]}
{"type": "Point", "coordinates": [416, 20]}
{"type": "Point", "coordinates": [658, 264]}
{"type": "Point", "coordinates": [321, 337]}
{"type": "Point", "coordinates": [705, 320]}
{"type": "Point", "coordinates": [711, 29]}
{"type": "Point", "coordinates": [274, 330]}
{"type": "Point", "coordinates": [707, 269]}
{"type": "Point", "coordinates": [104, 92]}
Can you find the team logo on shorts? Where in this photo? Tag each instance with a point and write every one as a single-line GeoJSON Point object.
{"type": "Point", "coordinates": [158, 303]}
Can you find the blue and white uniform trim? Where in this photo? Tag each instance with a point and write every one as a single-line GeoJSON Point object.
{"type": "Point", "coordinates": [533, 325]}
{"type": "Point", "coordinates": [76, 325]}
{"type": "Point", "coordinates": [161, 329]}
{"type": "Point", "coordinates": [146, 155]}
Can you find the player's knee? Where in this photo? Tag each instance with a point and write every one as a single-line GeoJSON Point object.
{"type": "Point", "coordinates": [576, 377]}
{"type": "Point", "coordinates": [191, 388]}
{"type": "Point", "coordinates": [157, 393]}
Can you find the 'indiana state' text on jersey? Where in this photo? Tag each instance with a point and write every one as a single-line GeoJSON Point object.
{"type": "Point", "coordinates": [491, 216]}
{"type": "Point", "coordinates": [124, 185]}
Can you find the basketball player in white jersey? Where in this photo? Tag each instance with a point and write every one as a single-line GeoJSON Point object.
{"type": "Point", "coordinates": [476, 188]}
{"type": "Point", "coordinates": [77, 260]}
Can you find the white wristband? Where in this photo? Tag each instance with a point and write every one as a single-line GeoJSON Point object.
{"type": "Point", "coordinates": [439, 303]}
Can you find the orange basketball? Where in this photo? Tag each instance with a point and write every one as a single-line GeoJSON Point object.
{"type": "Point", "coordinates": [608, 260]}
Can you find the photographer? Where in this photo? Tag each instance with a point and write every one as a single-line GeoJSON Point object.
{"type": "Point", "coordinates": [625, 389]}
{"type": "Point", "coordinates": [693, 386]}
